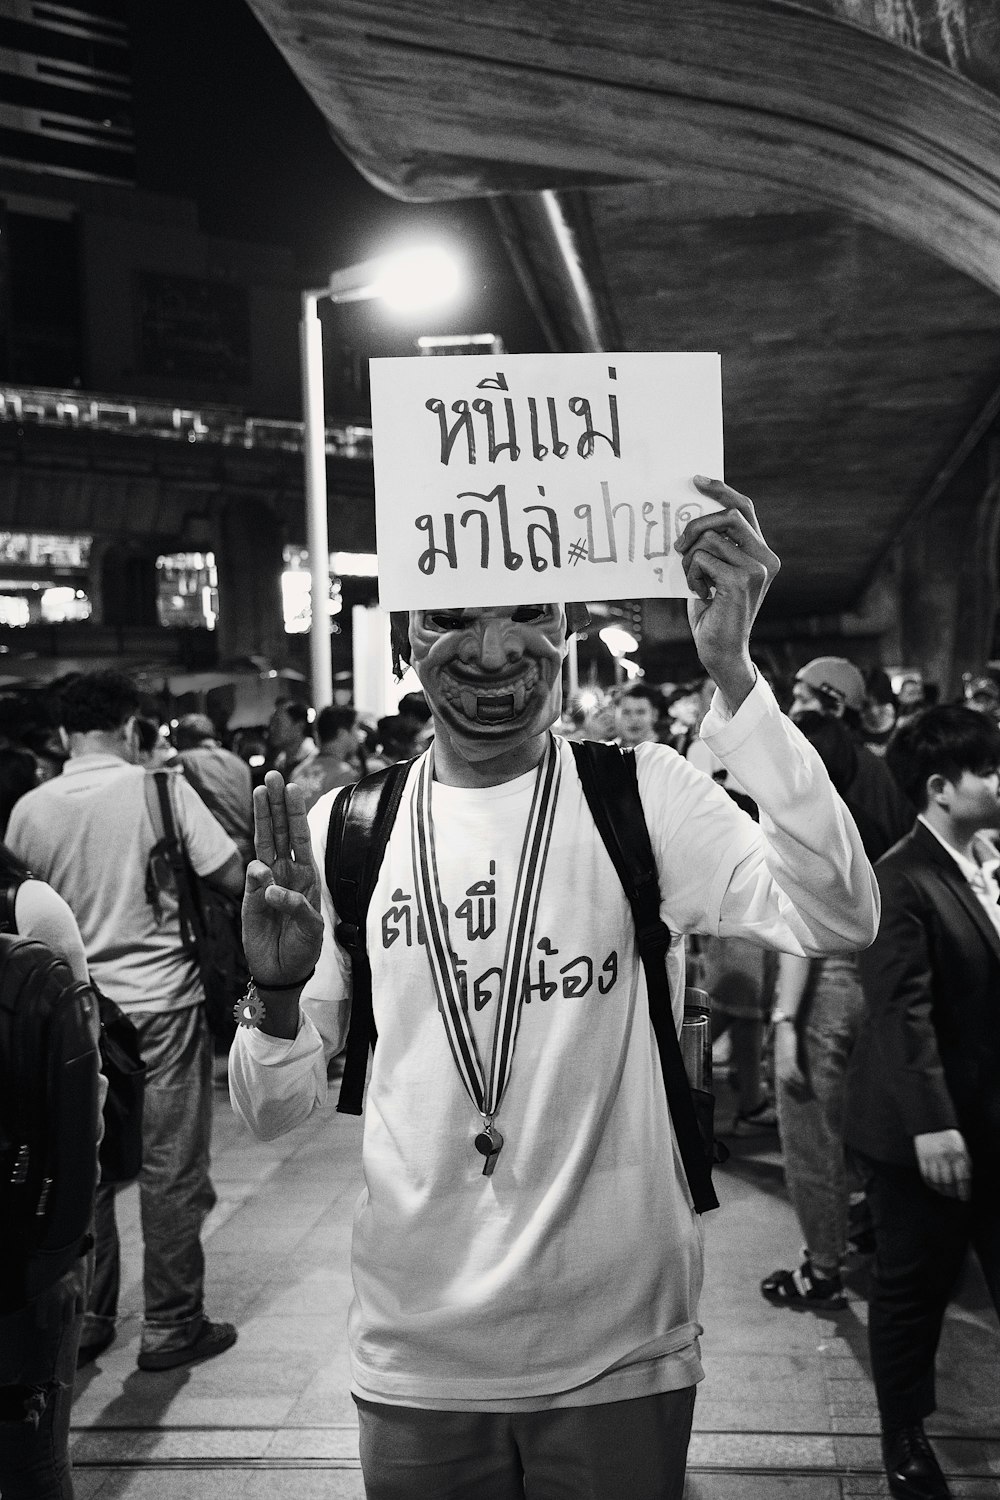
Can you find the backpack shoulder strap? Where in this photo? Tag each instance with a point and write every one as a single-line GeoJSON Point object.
{"type": "Point", "coordinates": [163, 792]}
{"type": "Point", "coordinates": [8, 898]}
{"type": "Point", "coordinates": [161, 816]}
{"type": "Point", "coordinates": [610, 784]}
{"type": "Point", "coordinates": [361, 821]}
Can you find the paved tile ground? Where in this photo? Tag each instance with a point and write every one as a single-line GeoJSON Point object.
{"type": "Point", "coordinates": [786, 1410]}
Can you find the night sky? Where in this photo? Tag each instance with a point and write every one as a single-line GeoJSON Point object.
{"type": "Point", "coordinates": [221, 118]}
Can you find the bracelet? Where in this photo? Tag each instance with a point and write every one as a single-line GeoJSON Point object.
{"type": "Point", "coordinates": [777, 1016]}
{"type": "Point", "coordinates": [263, 984]}
{"type": "Point", "coordinates": [250, 1010]}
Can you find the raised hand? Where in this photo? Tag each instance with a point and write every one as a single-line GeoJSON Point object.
{"type": "Point", "coordinates": [729, 568]}
{"type": "Point", "coordinates": [282, 926]}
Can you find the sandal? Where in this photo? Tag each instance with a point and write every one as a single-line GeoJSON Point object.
{"type": "Point", "coordinates": [803, 1288]}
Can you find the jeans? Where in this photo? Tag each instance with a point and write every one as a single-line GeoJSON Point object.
{"type": "Point", "coordinates": [175, 1190]}
{"type": "Point", "coordinates": [623, 1450]}
{"type": "Point", "coordinates": [38, 1347]}
{"type": "Point", "coordinates": [812, 1126]}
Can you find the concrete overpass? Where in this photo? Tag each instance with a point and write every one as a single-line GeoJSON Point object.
{"type": "Point", "coordinates": [811, 188]}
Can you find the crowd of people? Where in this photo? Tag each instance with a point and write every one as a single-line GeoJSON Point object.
{"type": "Point", "coordinates": [889, 1131]}
{"type": "Point", "coordinates": [82, 870]}
{"type": "Point", "coordinates": [873, 1062]}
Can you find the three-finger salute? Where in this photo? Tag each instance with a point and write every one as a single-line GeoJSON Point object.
{"type": "Point", "coordinates": [282, 925]}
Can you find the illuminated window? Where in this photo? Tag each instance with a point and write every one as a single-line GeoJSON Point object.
{"type": "Point", "coordinates": [43, 578]}
{"type": "Point", "coordinates": [355, 564]}
{"type": "Point", "coordinates": [14, 610]}
{"type": "Point", "coordinates": [296, 601]}
{"type": "Point", "coordinates": [187, 589]}
{"type": "Point", "coordinates": [40, 550]}
{"type": "Point", "coordinates": [296, 590]}
{"type": "Point", "coordinates": [60, 604]}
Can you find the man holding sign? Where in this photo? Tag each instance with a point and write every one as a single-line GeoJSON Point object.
{"type": "Point", "coordinates": [527, 1259]}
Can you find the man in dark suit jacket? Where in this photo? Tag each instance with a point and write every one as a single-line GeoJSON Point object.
{"type": "Point", "coordinates": [924, 1084]}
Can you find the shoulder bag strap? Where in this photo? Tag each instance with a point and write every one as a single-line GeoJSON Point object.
{"type": "Point", "coordinates": [361, 821]}
{"type": "Point", "coordinates": [610, 784]}
{"type": "Point", "coordinates": [189, 913]}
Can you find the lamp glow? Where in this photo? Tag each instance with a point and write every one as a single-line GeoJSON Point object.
{"type": "Point", "coordinates": [618, 640]}
{"type": "Point", "coordinates": [415, 280]}
{"type": "Point", "coordinates": [410, 281]}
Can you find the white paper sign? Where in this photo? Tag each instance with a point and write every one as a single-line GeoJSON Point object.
{"type": "Point", "coordinates": [528, 478]}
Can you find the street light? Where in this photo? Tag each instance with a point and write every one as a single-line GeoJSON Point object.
{"type": "Point", "coordinates": [409, 281]}
{"type": "Point", "coordinates": [620, 642]}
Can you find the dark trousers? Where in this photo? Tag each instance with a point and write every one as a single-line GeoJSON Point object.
{"type": "Point", "coordinates": [623, 1450]}
{"type": "Point", "coordinates": [38, 1347]}
{"type": "Point", "coordinates": [921, 1241]}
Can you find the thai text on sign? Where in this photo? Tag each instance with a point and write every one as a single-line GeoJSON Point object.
{"type": "Point", "coordinates": [539, 477]}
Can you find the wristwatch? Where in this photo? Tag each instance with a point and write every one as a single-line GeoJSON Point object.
{"type": "Point", "coordinates": [777, 1016]}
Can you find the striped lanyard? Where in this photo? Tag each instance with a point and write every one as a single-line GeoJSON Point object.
{"type": "Point", "coordinates": [485, 1092]}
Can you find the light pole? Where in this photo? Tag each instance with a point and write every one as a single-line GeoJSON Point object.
{"type": "Point", "coordinates": [409, 281]}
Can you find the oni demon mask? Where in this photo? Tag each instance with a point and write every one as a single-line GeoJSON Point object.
{"type": "Point", "coordinates": [492, 676]}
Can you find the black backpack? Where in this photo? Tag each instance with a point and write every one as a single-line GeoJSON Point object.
{"type": "Point", "coordinates": [121, 1063]}
{"type": "Point", "coordinates": [361, 820]}
{"type": "Point", "coordinates": [48, 1118]}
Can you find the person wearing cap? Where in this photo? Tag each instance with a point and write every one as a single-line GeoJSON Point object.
{"type": "Point", "coordinates": [829, 685]}
{"type": "Point", "coordinates": [833, 687]}
{"type": "Point", "coordinates": [525, 1320]}
{"type": "Point", "coordinates": [818, 1008]}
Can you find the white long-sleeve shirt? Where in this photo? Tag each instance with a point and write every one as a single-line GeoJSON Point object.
{"type": "Point", "coordinates": [572, 1274]}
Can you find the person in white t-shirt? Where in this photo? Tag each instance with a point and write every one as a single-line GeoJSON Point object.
{"type": "Point", "coordinates": [91, 833]}
{"type": "Point", "coordinates": [527, 1259]}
